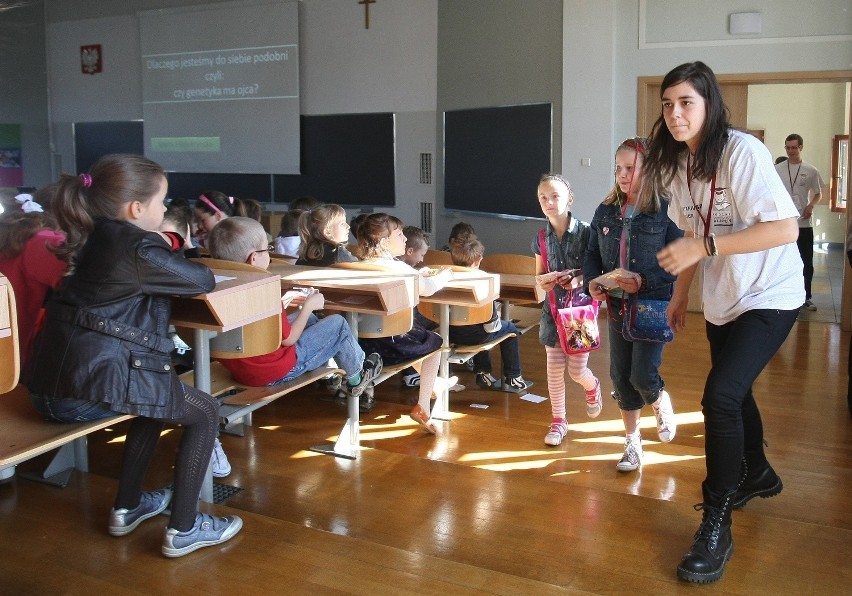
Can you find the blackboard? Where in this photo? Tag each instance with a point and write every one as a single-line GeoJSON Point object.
{"type": "Point", "coordinates": [494, 157]}
{"type": "Point", "coordinates": [95, 139]}
{"type": "Point", "coordinates": [348, 159]}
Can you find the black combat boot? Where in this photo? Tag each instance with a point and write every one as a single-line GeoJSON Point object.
{"type": "Point", "coordinates": [757, 480]}
{"type": "Point", "coordinates": [713, 546]}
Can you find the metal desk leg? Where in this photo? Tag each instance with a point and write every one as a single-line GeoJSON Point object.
{"type": "Point", "coordinates": [201, 358]}
{"type": "Point", "coordinates": [349, 440]}
{"type": "Point", "coordinates": [506, 310]}
{"type": "Point", "coordinates": [441, 409]}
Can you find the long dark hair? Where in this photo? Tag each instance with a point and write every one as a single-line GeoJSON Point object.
{"type": "Point", "coordinates": [663, 150]}
{"type": "Point", "coordinates": [113, 181]}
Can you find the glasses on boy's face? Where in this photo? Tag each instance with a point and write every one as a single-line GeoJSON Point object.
{"type": "Point", "coordinates": [269, 248]}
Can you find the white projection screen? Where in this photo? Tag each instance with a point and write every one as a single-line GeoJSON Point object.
{"type": "Point", "coordinates": [220, 86]}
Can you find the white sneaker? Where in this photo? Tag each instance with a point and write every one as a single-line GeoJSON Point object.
{"type": "Point", "coordinates": [664, 412]}
{"type": "Point", "coordinates": [632, 458]}
{"type": "Point", "coordinates": [221, 465]}
{"type": "Point", "coordinates": [558, 428]}
{"type": "Point", "coordinates": [594, 401]}
{"type": "Point", "coordinates": [809, 305]}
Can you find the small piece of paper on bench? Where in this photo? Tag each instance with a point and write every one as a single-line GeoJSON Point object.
{"type": "Point", "coordinates": [536, 399]}
{"type": "Point", "coordinates": [479, 406]}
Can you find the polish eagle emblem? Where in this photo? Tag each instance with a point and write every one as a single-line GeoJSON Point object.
{"type": "Point", "coordinates": [90, 59]}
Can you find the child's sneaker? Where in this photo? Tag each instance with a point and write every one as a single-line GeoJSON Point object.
{"type": "Point", "coordinates": [372, 369]}
{"type": "Point", "coordinates": [124, 521]}
{"type": "Point", "coordinates": [594, 401]}
{"type": "Point", "coordinates": [558, 428]}
{"type": "Point", "coordinates": [367, 401]}
{"type": "Point", "coordinates": [664, 412]}
{"type": "Point", "coordinates": [221, 465]}
{"type": "Point", "coordinates": [207, 531]}
{"type": "Point", "coordinates": [488, 381]}
{"type": "Point", "coordinates": [632, 458]}
{"type": "Point", "coordinates": [516, 384]}
{"type": "Point", "coordinates": [412, 381]}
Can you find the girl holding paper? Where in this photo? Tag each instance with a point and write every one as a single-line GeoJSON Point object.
{"type": "Point", "coordinates": [628, 229]}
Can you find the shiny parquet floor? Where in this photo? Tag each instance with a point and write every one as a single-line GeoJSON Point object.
{"type": "Point", "coordinates": [485, 508]}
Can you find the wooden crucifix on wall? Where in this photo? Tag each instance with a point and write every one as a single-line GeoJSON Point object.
{"type": "Point", "coordinates": [366, 4]}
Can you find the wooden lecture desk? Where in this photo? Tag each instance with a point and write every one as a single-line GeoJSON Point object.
{"type": "Point", "coordinates": [239, 298]}
{"type": "Point", "coordinates": [362, 296]}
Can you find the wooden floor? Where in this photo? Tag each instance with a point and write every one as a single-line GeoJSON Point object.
{"type": "Point", "coordinates": [485, 507]}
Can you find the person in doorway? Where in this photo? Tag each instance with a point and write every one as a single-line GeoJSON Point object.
{"type": "Point", "coordinates": [804, 184]}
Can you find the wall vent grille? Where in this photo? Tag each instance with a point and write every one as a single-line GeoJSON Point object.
{"type": "Point", "coordinates": [425, 168]}
{"type": "Point", "coordinates": [426, 217]}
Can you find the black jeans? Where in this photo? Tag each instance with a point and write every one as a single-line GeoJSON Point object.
{"type": "Point", "coordinates": [805, 243]}
{"type": "Point", "coordinates": [739, 351]}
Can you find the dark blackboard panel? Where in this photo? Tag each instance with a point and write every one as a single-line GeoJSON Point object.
{"type": "Point", "coordinates": [95, 139]}
{"type": "Point", "coordinates": [244, 186]}
{"type": "Point", "coordinates": [493, 158]}
{"type": "Point", "coordinates": [347, 159]}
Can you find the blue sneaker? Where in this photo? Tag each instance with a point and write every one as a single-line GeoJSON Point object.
{"type": "Point", "coordinates": [124, 521]}
{"type": "Point", "coordinates": [207, 531]}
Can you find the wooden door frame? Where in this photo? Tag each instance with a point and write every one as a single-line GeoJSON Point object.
{"type": "Point", "coordinates": [770, 78]}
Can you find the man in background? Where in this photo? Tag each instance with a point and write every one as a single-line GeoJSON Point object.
{"type": "Point", "coordinates": [804, 184]}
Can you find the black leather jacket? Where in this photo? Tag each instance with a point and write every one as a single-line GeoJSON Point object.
{"type": "Point", "coordinates": [104, 337]}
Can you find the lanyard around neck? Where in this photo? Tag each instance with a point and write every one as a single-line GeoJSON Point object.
{"type": "Point", "coordinates": [708, 220]}
{"type": "Point", "coordinates": [790, 177]}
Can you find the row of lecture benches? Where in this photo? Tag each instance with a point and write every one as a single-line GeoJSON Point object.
{"type": "Point", "coordinates": [241, 317]}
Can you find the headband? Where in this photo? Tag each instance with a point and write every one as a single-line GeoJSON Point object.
{"type": "Point", "coordinates": [635, 143]}
{"type": "Point", "coordinates": [209, 203]}
{"type": "Point", "coordinates": [28, 205]}
{"type": "Point", "coordinates": [87, 180]}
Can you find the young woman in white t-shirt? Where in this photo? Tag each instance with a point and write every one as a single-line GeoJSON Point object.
{"type": "Point", "coordinates": [741, 228]}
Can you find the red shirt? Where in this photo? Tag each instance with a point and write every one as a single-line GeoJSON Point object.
{"type": "Point", "coordinates": [33, 273]}
{"type": "Point", "coordinates": [257, 371]}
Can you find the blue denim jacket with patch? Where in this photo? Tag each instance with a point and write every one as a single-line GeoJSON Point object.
{"type": "Point", "coordinates": [649, 232]}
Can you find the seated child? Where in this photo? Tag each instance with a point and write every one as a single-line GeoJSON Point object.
{"type": "Point", "coordinates": [287, 242]}
{"type": "Point", "coordinates": [459, 231]}
{"type": "Point", "coordinates": [324, 233]}
{"type": "Point", "coordinates": [416, 245]}
{"type": "Point", "coordinates": [380, 241]}
{"type": "Point", "coordinates": [308, 342]}
{"type": "Point", "coordinates": [468, 252]}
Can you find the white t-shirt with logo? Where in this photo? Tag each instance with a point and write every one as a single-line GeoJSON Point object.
{"type": "Point", "coordinates": [747, 191]}
{"type": "Point", "coordinates": [800, 180]}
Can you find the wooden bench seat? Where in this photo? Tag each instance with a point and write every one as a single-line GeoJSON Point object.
{"type": "Point", "coordinates": [25, 434]}
{"type": "Point", "coordinates": [239, 401]}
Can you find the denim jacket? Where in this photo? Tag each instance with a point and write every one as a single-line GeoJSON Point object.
{"type": "Point", "coordinates": [649, 232]}
{"type": "Point", "coordinates": [563, 253]}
